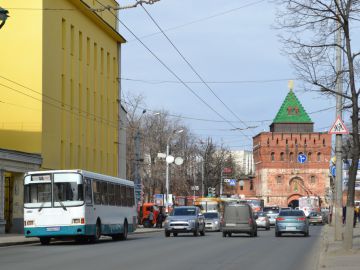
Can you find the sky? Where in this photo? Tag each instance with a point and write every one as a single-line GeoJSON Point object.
{"type": "Point", "coordinates": [234, 47]}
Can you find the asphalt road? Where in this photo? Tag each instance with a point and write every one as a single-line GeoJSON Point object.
{"type": "Point", "coordinates": [152, 251]}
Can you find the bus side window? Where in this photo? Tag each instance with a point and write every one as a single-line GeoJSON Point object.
{"type": "Point", "coordinates": [88, 191]}
{"type": "Point", "coordinates": [132, 196]}
{"type": "Point", "coordinates": [104, 193]}
{"type": "Point", "coordinates": [123, 195]}
{"type": "Point", "coordinates": [128, 197]}
{"type": "Point", "coordinates": [111, 193]}
{"type": "Point", "coordinates": [96, 189]}
{"type": "Point", "coordinates": [118, 195]}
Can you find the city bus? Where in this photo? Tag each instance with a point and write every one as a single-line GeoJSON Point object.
{"type": "Point", "coordinates": [77, 204]}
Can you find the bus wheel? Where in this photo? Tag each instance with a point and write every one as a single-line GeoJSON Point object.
{"type": "Point", "coordinates": [124, 235]}
{"type": "Point", "coordinates": [97, 234]}
{"type": "Point", "coordinates": [44, 240]}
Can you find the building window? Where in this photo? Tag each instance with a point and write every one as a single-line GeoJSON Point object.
{"type": "Point", "coordinates": [313, 179]}
{"type": "Point", "coordinates": [251, 185]}
{"type": "Point", "coordinates": [318, 156]}
{"type": "Point", "coordinates": [277, 141]}
{"type": "Point", "coordinates": [282, 156]}
{"type": "Point", "coordinates": [268, 142]}
{"type": "Point", "coordinates": [279, 179]}
{"type": "Point", "coordinates": [323, 142]}
{"type": "Point", "coordinates": [241, 187]}
{"type": "Point", "coordinates": [272, 156]}
{"type": "Point", "coordinates": [309, 156]}
{"type": "Point", "coordinates": [291, 156]}
{"type": "Point", "coordinates": [286, 142]}
{"type": "Point", "coordinates": [305, 143]}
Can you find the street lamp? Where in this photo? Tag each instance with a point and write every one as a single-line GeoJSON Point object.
{"type": "Point", "coordinates": [3, 16]}
{"type": "Point", "coordinates": [169, 159]}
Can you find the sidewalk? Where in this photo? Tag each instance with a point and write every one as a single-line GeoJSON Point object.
{"type": "Point", "coordinates": [19, 239]}
{"type": "Point", "coordinates": [332, 255]}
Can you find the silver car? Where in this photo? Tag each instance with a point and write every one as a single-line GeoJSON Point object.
{"type": "Point", "coordinates": [212, 221]}
{"type": "Point", "coordinates": [291, 221]}
{"type": "Point", "coordinates": [272, 212]}
{"type": "Point", "coordinates": [262, 220]}
{"type": "Point", "coordinates": [185, 219]}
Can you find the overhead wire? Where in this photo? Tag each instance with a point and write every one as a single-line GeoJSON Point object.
{"type": "Point", "coordinates": [192, 68]}
{"type": "Point", "coordinates": [169, 69]}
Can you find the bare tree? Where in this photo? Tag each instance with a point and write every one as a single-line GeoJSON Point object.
{"type": "Point", "coordinates": [308, 30]}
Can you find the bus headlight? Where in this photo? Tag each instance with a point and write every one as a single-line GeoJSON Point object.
{"type": "Point", "coordinates": [29, 222]}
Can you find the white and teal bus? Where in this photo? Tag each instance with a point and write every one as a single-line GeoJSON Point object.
{"type": "Point", "coordinates": [77, 204]}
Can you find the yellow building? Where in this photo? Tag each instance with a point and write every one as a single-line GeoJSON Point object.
{"type": "Point", "coordinates": [59, 88]}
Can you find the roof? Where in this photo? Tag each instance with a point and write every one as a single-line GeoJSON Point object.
{"type": "Point", "coordinates": [292, 111]}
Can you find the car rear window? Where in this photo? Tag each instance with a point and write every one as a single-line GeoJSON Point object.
{"type": "Point", "coordinates": [271, 209]}
{"type": "Point", "coordinates": [211, 215]}
{"type": "Point", "coordinates": [184, 212]}
{"type": "Point", "coordinates": [236, 212]}
{"type": "Point", "coordinates": [291, 213]}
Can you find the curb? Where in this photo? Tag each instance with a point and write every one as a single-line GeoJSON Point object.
{"type": "Point", "coordinates": [26, 241]}
{"type": "Point", "coordinates": [323, 247]}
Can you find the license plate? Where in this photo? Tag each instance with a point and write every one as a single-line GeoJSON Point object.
{"type": "Point", "coordinates": [53, 229]}
{"type": "Point", "coordinates": [290, 228]}
{"type": "Point", "coordinates": [230, 224]}
{"type": "Point", "coordinates": [179, 227]}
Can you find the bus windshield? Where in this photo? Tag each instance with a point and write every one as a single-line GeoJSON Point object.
{"type": "Point", "coordinates": [57, 190]}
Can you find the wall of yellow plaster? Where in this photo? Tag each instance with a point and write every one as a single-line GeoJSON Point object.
{"type": "Point", "coordinates": [56, 50]}
{"type": "Point", "coordinates": [80, 72]}
{"type": "Point", "coordinates": [21, 76]}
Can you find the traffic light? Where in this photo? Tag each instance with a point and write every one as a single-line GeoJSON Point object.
{"type": "Point", "coordinates": [211, 191]}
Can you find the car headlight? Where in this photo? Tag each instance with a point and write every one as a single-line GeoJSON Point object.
{"type": "Point", "coordinates": [167, 221]}
{"type": "Point", "coordinates": [216, 222]}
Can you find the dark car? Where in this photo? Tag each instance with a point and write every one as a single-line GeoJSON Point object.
{"type": "Point", "coordinates": [185, 219]}
{"type": "Point", "coordinates": [291, 221]}
{"type": "Point", "coordinates": [238, 218]}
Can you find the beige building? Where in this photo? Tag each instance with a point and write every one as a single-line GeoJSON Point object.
{"type": "Point", "coordinates": [59, 87]}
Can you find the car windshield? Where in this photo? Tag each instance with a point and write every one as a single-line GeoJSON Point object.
{"type": "Point", "coordinates": [184, 212]}
{"type": "Point", "coordinates": [291, 213]}
{"type": "Point", "coordinates": [314, 214]}
{"type": "Point", "coordinates": [211, 215]}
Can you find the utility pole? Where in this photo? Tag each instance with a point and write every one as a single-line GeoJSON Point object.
{"type": "Point", "coordinates": [137, 177]}
{"type": "Point", "coordinates": [202, 178]}
{"type": "Point", "coordinates": [338, 141]}
{"type": "Point", "coordinates": [221, 182]}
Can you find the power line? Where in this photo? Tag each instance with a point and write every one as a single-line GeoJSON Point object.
{"type": "Point", "coordinates": [201, 19]}
{"type": "Point", "coordinates": [208, 82]}
{"type": "Point", "coordinates": [169, 69]}
{"type": "Point", "coordinates": [192, 68]}
{"type": "Point", "coordinates": [71, 109]}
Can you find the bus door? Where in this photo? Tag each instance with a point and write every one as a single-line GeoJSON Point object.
{"type": "Point", "coordinates": [90, 208]}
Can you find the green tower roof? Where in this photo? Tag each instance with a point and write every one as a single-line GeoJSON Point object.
{"type": "Point", "coordinates": [291, 111]}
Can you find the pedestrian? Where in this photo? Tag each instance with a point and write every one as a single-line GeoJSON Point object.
{"type": "Point", "coordinates": [357, 209]}
{"type": "Point", "coordinates": [344, 214]}
{"type": "Point", "coordinates": [160, 218]}
{"type": "Point", "coordinates": [151, 217]}
{"type": "Point", "coordinates": [355, 217]}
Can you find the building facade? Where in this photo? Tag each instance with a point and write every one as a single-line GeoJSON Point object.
{"type": "Point", "coordinates": [291, 160]}
{"type": "Point", "coordinates": [59, 85]}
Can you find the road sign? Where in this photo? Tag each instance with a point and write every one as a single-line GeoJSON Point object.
{"type": "Point", "coordinates": [333, 170]}
{"type": "Point", "coordinates": [338, 127]}
{"type": "Point", "coordinates": [232, 182]}
{"type": "Point", "coordinates": [227, 170]}
{"type": "Point", "coordinates": [226, 180]}
{"type": "Point", "coordinates": [302, 158]}
{"type": "Point", "coordinates": [194, 187]}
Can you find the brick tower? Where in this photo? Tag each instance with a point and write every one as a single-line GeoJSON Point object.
{"type": "Point", "coordinates": [291, 160]}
